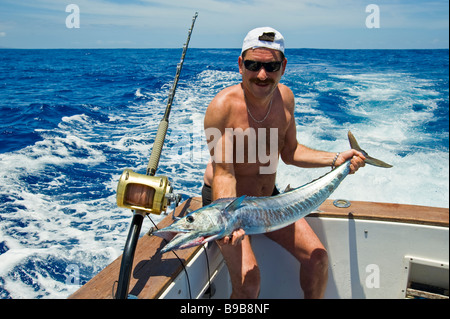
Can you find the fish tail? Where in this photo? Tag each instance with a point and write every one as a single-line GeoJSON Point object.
{"type": "Point", "coordinates": [369, 159]}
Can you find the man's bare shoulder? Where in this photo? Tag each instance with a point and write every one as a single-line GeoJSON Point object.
{"type": "Point", "coordinates": [226, 96]}
{"type": "Point", "coordinates": [288, 96]}
{"type": "Point", "coordinates": [220, 106]}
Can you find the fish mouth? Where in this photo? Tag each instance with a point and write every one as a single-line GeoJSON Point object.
{"type": "Point", "coordinates": [183, 239]}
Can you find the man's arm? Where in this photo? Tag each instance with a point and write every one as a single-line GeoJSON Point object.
{"type": "Point", "coordinates": [297, 154]}
{"type": "Point", "coordinates": [220, 145]}
{"type": "Point", "coordinates": [224, 180]}
{"type": "Point", "coordinates": [303, 156]}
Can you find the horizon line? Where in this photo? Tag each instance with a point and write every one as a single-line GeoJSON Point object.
{"type": "Point", "coordinates": [212, 48]}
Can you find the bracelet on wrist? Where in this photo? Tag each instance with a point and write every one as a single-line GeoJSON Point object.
{"type": "Point", "coordinates": [334, 161]}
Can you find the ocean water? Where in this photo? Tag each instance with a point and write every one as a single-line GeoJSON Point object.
{"type": "Point", "coordinates": [72, 120]}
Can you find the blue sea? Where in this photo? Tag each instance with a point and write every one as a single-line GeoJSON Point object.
{"type": "Point", "coordinates": [72, 120]}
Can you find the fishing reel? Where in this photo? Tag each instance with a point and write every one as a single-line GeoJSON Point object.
{"type": "Point", "coordinates": [157, 189]}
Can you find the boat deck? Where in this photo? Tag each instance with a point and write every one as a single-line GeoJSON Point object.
{"type": "Point", "coordinates": [154, 272]}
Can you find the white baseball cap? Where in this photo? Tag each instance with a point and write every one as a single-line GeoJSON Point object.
{"type": "Point", "coordinates": [265, 37]}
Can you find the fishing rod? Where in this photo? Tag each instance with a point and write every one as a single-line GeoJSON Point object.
{"type": "Point", "coordinates": [157, 188]}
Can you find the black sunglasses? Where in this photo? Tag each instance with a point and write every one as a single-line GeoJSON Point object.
{"type": "Point", "coordinates": [268, 66]}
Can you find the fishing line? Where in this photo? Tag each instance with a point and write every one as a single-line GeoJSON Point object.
{"type": "Point", "coordinates": [184, 268]}
{"type": "Point", "coordinates": [179, 259]}
{"type": "Point", "coordinates": [209, 274]}
{"type": "Point", "coordinates": [113, 290]}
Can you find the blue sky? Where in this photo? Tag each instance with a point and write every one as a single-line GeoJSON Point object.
{"type": "Point", "coordinates": [339, 24]}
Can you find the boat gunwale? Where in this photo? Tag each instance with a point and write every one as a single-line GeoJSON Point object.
{"type": "Point", "coordinates": [148, 247]}
{"type": "Point", "coordinates": [388, 212]}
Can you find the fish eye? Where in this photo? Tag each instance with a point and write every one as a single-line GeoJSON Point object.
{"type": "Point", "coordinates": [189, 219]}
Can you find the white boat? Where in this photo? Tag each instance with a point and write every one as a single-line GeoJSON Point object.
{"type": "Point", "coordinates": [376, 250]}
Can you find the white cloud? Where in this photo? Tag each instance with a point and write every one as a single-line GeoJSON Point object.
{"type": "Point", "coordinates": [2, 34]}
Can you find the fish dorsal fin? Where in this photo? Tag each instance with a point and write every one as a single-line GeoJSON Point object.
{"type": "Point", "coordinates": [235, 204]}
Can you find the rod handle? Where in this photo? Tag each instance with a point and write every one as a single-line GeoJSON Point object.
{"type": "Point", "coordinates": [157, 148]}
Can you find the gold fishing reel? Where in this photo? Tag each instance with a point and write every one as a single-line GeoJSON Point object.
{"type": "Point", "coordinates": [154, 192]}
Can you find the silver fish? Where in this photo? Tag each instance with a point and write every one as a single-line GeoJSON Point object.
{"type": "Point", "coordinates": [256, 215]}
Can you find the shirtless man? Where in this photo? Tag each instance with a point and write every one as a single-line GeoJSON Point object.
{"type": "Point", "coordinates": [260, 101]}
